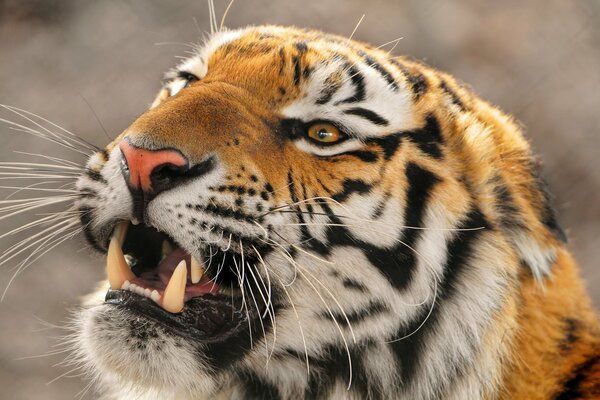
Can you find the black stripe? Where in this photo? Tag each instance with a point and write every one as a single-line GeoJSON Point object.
{"type": "Point", "coordinates": [327, 94]}
{"type": "Point", "coordinates": [87, 193]}
{"type": "Point", "coordinates": [358, 81]}
{"type": "Point", "coordinates": [369, 115]}
{"type": "Point", "coordinates": [104, 155]}
{"type": "Point", "coordinates": [332, 85]}
{"type": "Point", "coordinates": [332, 368]}
{"type": "Point", "coordinates": [548, 213]}
{"type": "Point", "coordinates": [398, 264]}
{"type": "Point", "coordinates": [373, 309]}
{"type": "Point", "coordinates": [224, 212]}
{"type": "Point", "coordinates": [389, 144]}
{"type": "Point", "coordinates": [510, 215]}
{"type": "Point", "coordinates": [85, 216]}
{"type": "Point", "coordinates": [297, 71]}
{"type": "Point", "coordinates": [309, 207]}
{"type": "Point", "coordinates": [301, 46]}
{"type": "Point", "coordinates": [572, 389]}
{"type": "Point", "coordinates": [351, 186]}
{"type": "Point", "coordinates": [409, 350]}
{"type": "Point", "coordinates": [418, 83]}
{"type": "Point", "coordinates": [255, 388]}
{"type": "Point", "coordinates": [415, 79]}
{"type": "Point", "coordinates": [282, 61]}
{"type": "Point", "coordinates": [428, 138]}
{"type": "Point", "coordinates": [378, 212]}
{"type": "Point", "coordinates": [350, 283]}
{"type": "Point", "coordinates": [309, 241]}
{"type": "Point", "coordinates": [371, 62]}
{"type": "Point", "coordinates": [453, 96]}
{"type": "Point", "coordinates": [221, 354]}
{"type": "Point", "coordinates": [95, 176]}
{"type": "Point", "coordinates": [571, 334]}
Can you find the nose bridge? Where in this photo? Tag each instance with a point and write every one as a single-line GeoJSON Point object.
{"type": "Point", "coordinates": [195, 121]}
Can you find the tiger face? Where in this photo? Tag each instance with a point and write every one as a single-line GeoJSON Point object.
{"type": "Point", "coordinates": [300, 215]}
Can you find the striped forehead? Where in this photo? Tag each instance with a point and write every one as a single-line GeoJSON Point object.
{"type": "Point", "coordinates": [343, 82]}
{"type": "Point", "coordinates": [355, 91]}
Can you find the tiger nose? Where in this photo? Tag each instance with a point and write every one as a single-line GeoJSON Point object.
{"type": "Point", "coordinates": [151, 171]}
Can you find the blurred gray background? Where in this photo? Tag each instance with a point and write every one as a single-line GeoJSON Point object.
{"type": "Point", "coordinates": [86, 65]}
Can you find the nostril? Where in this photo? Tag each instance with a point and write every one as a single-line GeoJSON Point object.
{"type": "Point", "coordinates": [163, 175]}
{"type": "Point", "coordinates": [168, 171]}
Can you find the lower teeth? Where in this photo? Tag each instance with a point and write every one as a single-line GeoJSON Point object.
{"type": "Point", "coordinates": [145, 292]}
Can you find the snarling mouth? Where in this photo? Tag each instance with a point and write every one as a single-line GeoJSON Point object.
{"type": "Point", "coordinates": [151, 275]}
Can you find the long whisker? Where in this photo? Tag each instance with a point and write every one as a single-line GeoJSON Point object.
{"type": "Point", "coordinates": [334, 320]}
{"type": "Point", "coordinates": [356, 28]}
{"type": "Point", "coordinates": [271, 243]}
{"type": "Point", "coordinates": [225, 15]}
{"type": "Point", "coordinates": [72, 137]}
{"type": "Point", "coordinates": [433, 302]}
{"type": "Point", "coordinates": [244, 304]}
{"type": "Point", "coordinates": [262, 326]}
{"type": "Point", "coordinates": [300, 270]}
{"type": "Point", "coordinates": [47, 245]}
{"type": "Point", "coordinates": [59, 160]}
{"type": "Point", "coordinates": [21, 128]}
{"type": "Point", "coordinates": [267, 275]}
{"type": "Point", "coordinates": [282, 208]}
{"type": "Point", "coordinates": [299, 326]}
{"type": "Point", "coordinates": [268, 311]}
{"type": "Point", "coordinates": [28, 165]}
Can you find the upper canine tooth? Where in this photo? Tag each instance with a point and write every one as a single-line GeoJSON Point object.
{"type": "Point", "coordinates": [116, 267]}
{"type": "Point", "coordinates": [173, 297]}
{"type": "Point", "coordinates": [121, 231]}
{"type": "Point", "coordinates": [197, 269]}
{"type": "Point", "coordinates": [167, 248]}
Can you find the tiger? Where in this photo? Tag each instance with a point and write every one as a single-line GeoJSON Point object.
{"type": "Point", "coordinates": [300, 215]}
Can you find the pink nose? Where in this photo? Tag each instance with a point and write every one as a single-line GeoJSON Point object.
{"type": "Point", "coordinates": [142, 164]}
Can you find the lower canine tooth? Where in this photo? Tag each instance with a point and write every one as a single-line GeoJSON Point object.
{"type": "Point", "coordinates": [173, 298]}
{"type": "Point", "coordinates": [197, 269]}
{"type": "Point", "coordinates": [116, 267]}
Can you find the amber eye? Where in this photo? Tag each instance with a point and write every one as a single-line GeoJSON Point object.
{"type": "Point", "coordinates": [324, 133]}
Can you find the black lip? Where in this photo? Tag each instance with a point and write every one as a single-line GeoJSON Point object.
{"type": "Point", "coordinates": [209, 318]}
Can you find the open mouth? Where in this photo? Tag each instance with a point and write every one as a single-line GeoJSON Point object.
{"type": "Point", "coordinates": [151, 275]}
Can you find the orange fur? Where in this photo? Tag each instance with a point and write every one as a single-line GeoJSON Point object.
{"type": "Point", "coordinates": [546, 331]}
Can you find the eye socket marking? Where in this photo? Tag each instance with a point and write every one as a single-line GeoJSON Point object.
{"type": "Point", "coordinates": [188, 77]}
{"type": "Point", "coordinates": [325, 133]}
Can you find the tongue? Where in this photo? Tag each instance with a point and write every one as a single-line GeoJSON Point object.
{"type": "Point", "coordinates": [168, 264]}
{"type": "Point", "coordinates": [159, 277]}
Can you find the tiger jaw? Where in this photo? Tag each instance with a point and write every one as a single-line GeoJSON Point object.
{"type": "Point", "coordinates": [171, 293]}
{"type": "Point", "coordinates": [158, 283]}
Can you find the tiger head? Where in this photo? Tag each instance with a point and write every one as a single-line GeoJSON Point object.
{"type": "Point", "coordinates": [303, 215]}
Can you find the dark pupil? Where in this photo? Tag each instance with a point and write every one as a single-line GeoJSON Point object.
{"type": "Point", "coordinates": [324, 134]}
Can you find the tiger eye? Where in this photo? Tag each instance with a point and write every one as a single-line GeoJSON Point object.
{"type": "Point", "coordinates": [324, 133]}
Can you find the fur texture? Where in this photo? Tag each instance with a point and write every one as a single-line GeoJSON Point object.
{"type": "Point", "coordinates": [418, 259]}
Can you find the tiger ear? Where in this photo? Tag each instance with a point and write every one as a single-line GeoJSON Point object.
{"type": "Point", "coordinates": [530, 220]}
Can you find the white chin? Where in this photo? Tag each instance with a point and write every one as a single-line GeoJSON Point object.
{"type": "Point", "coordinates": [132, 357]}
